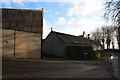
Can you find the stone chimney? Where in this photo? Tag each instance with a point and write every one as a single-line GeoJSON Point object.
{"type": "Point", "coordinates": [88, 36]}
{"type": "Point", "coordinates": [83, 33]}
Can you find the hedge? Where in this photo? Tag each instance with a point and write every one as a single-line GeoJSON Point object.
{"type": "Point", "coordinates": [80, 54]}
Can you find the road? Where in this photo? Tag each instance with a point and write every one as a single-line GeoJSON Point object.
{"type": "Point", "coordinates": [56, 68]}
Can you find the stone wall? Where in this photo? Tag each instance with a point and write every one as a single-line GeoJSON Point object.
{"type": "Point", "coordinates": [119, 66]}
{"type": "Point", "coordinates": [119, 37]}
{"type": "Point", "coordinates": [53, 46]}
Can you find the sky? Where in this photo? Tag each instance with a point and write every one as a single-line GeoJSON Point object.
{"type": "Point", "coordinates": [66, 16]}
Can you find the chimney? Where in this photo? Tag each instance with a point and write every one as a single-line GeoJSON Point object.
{"type": "Point", "coordinates": [83, 33]}
{"type": "Point", "coordinates": [88, 36]}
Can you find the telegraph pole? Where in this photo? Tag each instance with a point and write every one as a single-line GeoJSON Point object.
{"type": "Point", "coordinates": [42, 35]}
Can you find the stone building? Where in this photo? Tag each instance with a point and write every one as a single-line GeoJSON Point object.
{"type": "Point", "coordinates": [64, 45]}
{"type": "Point", "coordinates": [22, 33]}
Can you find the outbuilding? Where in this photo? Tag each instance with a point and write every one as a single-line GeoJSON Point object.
{"type": "Point", "coordinates": [22, 33]}
{"type": "Point", "coordinates": [64, 45]}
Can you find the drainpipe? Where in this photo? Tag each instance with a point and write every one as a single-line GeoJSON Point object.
{"type": "Point", "coordinates": [14, 42]}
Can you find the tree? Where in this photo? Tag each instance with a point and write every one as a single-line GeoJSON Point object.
{"type": "Point", "coordinates": [105, 35]}
{"type": "Point", "coordinates": [113, 11]}
{"type": "Point", "coordinates": [113, 14]}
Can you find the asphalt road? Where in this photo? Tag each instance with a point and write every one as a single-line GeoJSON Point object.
{"type": "Point", "coordinates": [55, 68]}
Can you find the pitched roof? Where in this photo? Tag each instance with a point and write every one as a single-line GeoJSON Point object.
{"type": "Point", "coordinates": [67, 38]}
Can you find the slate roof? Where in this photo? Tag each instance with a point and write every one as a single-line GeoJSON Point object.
{"type": "Point", "coordinates": [67, 38]}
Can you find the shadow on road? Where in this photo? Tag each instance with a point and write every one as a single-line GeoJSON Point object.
{"type": "Point", "coordinates": [55, 68]}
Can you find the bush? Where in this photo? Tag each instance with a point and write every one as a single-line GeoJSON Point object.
{"type": "Point", "coordinates": [92, 55]}
{"type": "Point", "coordinates": [104, 55]}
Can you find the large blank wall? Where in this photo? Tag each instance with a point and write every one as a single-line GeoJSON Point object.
{"type": "Point", "coordinates": [27, 45]}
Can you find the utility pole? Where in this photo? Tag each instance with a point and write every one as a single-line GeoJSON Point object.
{"type": "Point", "coordinates": [42, 34]}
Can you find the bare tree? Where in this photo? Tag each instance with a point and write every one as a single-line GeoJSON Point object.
{"type": "Point", "coordinates": [105, 35]}
{"type": "Point", "coordinates": [113, 10]}
{"type": "Point", "coordinates": [113, 13]}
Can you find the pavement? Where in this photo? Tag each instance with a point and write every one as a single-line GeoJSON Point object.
{"type": "Point", "coordinates": [55, 68]}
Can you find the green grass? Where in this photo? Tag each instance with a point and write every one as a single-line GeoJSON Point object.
{"type": "Point", "coordinates": [105, 58]}
{"type": "Point", "coordinates": [104, 55]}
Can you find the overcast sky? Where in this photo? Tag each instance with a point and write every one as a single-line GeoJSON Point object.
{"type": "Point", "coordinates": [66, 16]}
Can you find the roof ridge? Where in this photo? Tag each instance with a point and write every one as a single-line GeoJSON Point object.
{"type": "Point", "coordinates": [64, 33]}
